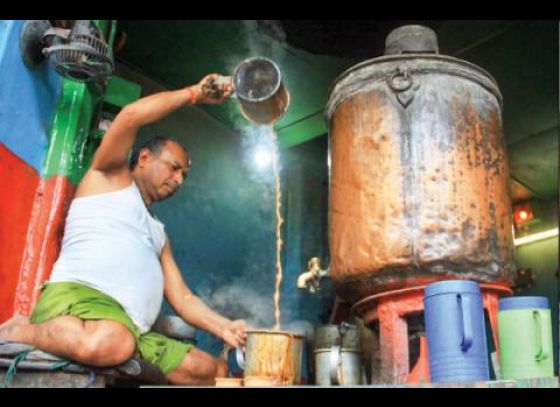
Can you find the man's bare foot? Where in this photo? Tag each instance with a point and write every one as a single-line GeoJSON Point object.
{"type": "Point", "coordinates": [15, 321]}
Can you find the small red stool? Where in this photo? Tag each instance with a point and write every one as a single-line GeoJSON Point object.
{"type": "Point", "coordinates": [391, 309]}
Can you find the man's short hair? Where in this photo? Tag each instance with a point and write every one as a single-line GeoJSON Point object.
{"type": "Point", "coordinates": [154, 145]}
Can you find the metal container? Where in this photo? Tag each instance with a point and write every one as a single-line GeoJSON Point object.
{"type": "Point", "coordinates": [343, 335]}
{"type": "Point", "coordinates": [338, 366]}
{"type": "Point", "coordinates": [258, 85]}
{"type": "Point", "coordinates": [174, 327]}
{"type": "Point", "coordinates": [276, 355]}
{"type": "Point", "coordinates": [418, 172]}
{"type": "Point", "coordinates": [338, 355]}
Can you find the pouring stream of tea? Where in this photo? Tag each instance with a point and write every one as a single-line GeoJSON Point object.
{"type": "Point", "coordinates": [279, 222]}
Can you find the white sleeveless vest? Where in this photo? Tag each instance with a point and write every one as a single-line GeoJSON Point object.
{"type": "Point", "coordinates": [112, 243]}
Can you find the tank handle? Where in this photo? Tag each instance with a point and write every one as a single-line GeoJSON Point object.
{"type": "Point", "coordinates": [464, 307]}
{"type": "Point", "coordinates": [541, 335]}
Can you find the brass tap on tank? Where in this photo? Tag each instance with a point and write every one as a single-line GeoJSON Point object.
{"type": "Point", "coordinates": [311, 279]}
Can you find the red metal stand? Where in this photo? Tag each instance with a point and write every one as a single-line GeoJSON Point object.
{"type": "Point", "coordinates": [391, 310]}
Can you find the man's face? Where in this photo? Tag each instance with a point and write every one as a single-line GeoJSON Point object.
{"type": "Point", "coordinates": [164, 173]}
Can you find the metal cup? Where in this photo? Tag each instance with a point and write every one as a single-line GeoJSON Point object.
{"type": "Point", "coordinates": [262, 96]}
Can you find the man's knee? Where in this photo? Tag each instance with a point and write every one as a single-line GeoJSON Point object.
{"type": "Point", "coordinates": [107, 347]}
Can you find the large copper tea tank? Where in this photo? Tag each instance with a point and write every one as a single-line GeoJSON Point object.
{"type": "Point", "coordinates": [419, 173]}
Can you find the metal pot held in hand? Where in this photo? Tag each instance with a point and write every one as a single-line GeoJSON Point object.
{"type": "Point", "coordinates": [262, 97]}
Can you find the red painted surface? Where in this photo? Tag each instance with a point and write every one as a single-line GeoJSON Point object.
{"type": "Point", "coordinates": [44, 236]}
{"type": "Point", "coordinates": [421, 371]}
{"type": "Point", "coordinates": [17, 191]}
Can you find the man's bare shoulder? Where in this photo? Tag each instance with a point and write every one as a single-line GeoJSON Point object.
{"type": "Point", "coordinates": [97, 182]}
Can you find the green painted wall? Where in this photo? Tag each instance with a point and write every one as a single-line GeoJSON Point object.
{"type": "Point", "coordinates": [70, 147]}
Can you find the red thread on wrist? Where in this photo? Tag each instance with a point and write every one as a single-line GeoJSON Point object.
{"type": "Point", "coordinates": [193, 96]}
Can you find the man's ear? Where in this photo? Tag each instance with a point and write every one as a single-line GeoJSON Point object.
{"type": "Point", "coordinates": [144, 156]}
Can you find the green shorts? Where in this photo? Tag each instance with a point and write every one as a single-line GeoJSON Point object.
{"type": "Point", "coordinates": [81, 301]}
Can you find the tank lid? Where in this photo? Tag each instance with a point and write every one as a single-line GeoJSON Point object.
{"type": "Point", "coordinates": [452, 287]}
{"type": "Point", "coordinates": [411, 39]}
{"type": "Point", "coordinates": [523, 303]}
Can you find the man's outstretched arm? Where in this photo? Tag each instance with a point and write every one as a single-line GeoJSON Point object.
{"type": "Point", "coordinates": [113, 152]}
{"type": "Point", "coordinates": [192, 309]}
